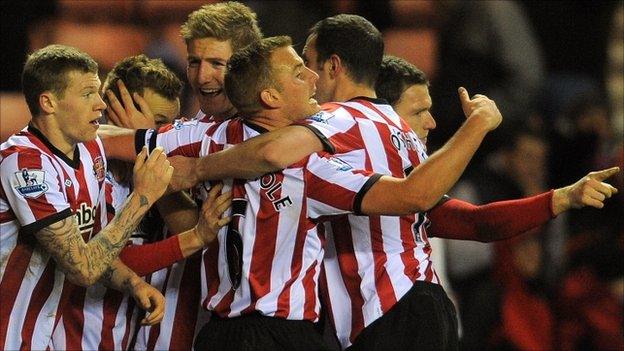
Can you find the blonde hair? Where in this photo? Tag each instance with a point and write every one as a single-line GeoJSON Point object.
{"type": "Point", "coordinates": [223, 21]}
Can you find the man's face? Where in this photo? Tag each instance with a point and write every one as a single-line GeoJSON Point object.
{"type": "Point", "coordinates": [325, 84]}
{"type": "Point", "coordinates": [297, 83]}
{"type": "Point", "coordinates": [78, 111]}
{"type": "Point", "coordinates": [414, 106]}
{"type": "Point", "coordinates": [207, 59]}
{"type": "Point", "coordinates": [164, 110]}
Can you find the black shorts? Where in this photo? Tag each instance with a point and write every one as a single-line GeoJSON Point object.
{"type": "Point", "coordinates": [257, 332]}
{"type": "Point", "coordinates": [423, 319]}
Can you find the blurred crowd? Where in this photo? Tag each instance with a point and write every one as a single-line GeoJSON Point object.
{"type": "Point", "coordinates": [555, 70]}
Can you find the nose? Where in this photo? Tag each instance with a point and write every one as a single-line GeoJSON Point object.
{"type": "Point", "coordinates": [313, 76]}
{"type": "Point", "coordinates": [205, 73]}
{"type": "Point", "coordinates": [429, 122]}
{"type": "Point", "coordinates": [100, 105]}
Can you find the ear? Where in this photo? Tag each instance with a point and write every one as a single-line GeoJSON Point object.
{"type": "Point", "coordinates": [47, 102]}
{"type": "Point", "coordinates": [335, 65]}
{"type": "Point", "coordinates": [271, 98]}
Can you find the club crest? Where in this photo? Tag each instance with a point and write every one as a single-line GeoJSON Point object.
{"type": "Point", "coordinates": [99, 170]}
{"type": "Point", "coordinates": [31, 182]}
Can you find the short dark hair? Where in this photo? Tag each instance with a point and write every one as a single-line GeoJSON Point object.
{"type": "Point", "coordinates": [223, 21]}
{"type": "Point", "coordinates": [47, 70]}
{"type": "Point", "coordinates": [249, 71]}
{"type": "Point", "coordinates": [395, 76]}
{"type": "Point", "coordinates": [355, 40]}
{"type": "Point", "coordinates": [140, 72]}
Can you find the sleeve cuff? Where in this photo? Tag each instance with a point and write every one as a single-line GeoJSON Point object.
{"type": "Point", "coordinates": [357, 205]}
{"type": "Point", "coordinates": [327, 146]}
{"type": "Point", "coordinates": [34, 227]}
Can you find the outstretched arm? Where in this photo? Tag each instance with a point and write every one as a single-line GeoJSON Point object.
{"type": "Point", "coordinates": [456, 219]}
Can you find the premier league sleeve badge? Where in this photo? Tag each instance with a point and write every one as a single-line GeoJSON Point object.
{"type": "Point", "coordinates": [31, 182]}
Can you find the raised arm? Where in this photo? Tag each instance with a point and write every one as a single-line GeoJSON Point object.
{"type": "Point", "coordinates": [428, 182]}
{"type": "Point", "coordinates": [84, 263]}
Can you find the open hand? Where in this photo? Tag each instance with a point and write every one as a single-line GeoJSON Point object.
{"type": "Point", "coordinates": [211, 216]}
{"type": "Point", "coordinates": [126, 115]}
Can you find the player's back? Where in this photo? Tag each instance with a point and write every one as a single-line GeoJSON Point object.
{"type": "Point", "coordinates": [372, 261]}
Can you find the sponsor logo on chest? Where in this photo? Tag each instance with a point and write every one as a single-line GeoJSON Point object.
{"type": "Point", "coordinates": [85, 215]}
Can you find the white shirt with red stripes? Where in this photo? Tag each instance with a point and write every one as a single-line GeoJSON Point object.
{"type": "Point", "coordinates": [40, 186]}
{"type": "Point", "coordinates": [282, 248]}
{"type": "Point", "coordinates": [372, 261]}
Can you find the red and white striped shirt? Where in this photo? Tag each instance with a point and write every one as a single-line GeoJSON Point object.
{"type": "Point", "coordinates": [282, 248]}
{"type": "Point", "coordinates": [372, 261]}
{"type": "Point", "coordinates": [40, 186]}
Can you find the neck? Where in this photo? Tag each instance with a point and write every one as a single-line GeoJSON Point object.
{"type": "Point", "coordinates": [49, 128]}
{"type": "Point", "coordinates": [347, 90]}
{"type": "Point", "coordinates": [225, 114]}
{"type": "Point", "coordinates": [270, 120]}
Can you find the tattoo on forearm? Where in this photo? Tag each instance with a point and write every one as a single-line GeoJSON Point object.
{"type": "Point", "coordinates": [88, 261]}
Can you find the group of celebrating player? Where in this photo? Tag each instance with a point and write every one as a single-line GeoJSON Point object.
{"type": "Point", "coordinates": [308, 209]}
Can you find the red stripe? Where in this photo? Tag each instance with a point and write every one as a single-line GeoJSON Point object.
{"type": "Point", "coordinates": [309, 287]}
{"type": "Point", "coordinates": [84, 196]}
{"type": "Point", "coordinates": [154, 332]}
{"type": "Point", "coordinates": [110, 307]}
{"type": "Point", "coordinates": [234, 132]}
{"type": "Point", "coordinates": [73, 319]}
{"type": "Point", "coordinates": [389, 121]}
{"type": "Point", "coordinates": [283, 302]}
{"type": "Point", "coordinates": [39, 296]}
{"type": "Point", "coordinates": [14, 273]}
{"type": "Point", "coordinates": [188, 150]}
{"type": "Point", "coordinates": [329, 193]}
{"type": "Point", "coordinates": [267, 222]}
{"type": "Point", "coordinates": [210, 261]}
{"type": "Point", "coordinates": [189, 294]}
{"type": "Point", "coordinates": [7, 216]}
{"type": "Point", "coordinates": [130, 322]}
{"type": "Point", "coordinates": [349, 269]}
